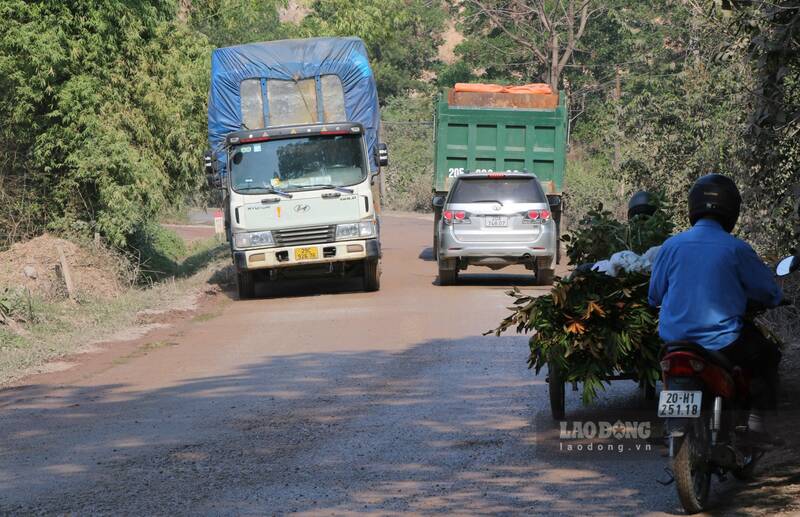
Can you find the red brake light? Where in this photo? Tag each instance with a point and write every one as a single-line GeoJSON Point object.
{"type": "Point", "coordinates": [533, 214]}
{"type": "Point", "coordinates": [460, 215]}
{"type": "Point", "coordinates": [497, 175]}
{"type": "Point", "coordinates": [448, 215]}
{"type": "Point", "coordinates": [544, 214]}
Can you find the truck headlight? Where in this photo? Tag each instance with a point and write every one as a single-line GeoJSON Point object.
{"type": "Point", "coordinates": [252, 239]}
{"type": "Point", "coordinates": [362, 230]}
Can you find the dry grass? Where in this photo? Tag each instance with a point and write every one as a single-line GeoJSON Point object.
{"type": "Point", "coordinates": [48, 326]}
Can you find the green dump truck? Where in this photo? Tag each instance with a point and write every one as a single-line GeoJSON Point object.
{"type": "Point", "coordinates": [480, 132]}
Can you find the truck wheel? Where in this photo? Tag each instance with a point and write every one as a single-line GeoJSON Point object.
{"type": "Point", "coordinates": [447, 276]}
{"type": "Point", "coordinates": [245, 284]}
{"type": "Point", "coordinates": [558, 240]}
{"type": "Point", "coordinates": [437, 216]}
{"type": "Point", "coordinates": [372, 275]}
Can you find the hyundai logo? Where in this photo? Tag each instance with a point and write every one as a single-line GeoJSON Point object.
{"type": "Point", "coordinates": [302, 209]}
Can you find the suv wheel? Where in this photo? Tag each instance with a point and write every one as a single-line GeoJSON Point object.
{"type": "Point", "coordinates": [448, 275]}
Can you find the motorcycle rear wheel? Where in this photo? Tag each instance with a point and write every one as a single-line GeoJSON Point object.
{"type": "Point", "coordinates": [691, 470]}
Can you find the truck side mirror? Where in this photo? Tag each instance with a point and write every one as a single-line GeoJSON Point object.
{"type": "Point", "coordinates": [438, 202]}
{"type": "Point", "coordinates": [210, 166]}
{"type": "Point", "coordinates": [383, 155]}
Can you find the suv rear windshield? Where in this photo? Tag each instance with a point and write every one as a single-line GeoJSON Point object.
{"type": "Point", "coordinates": [505, 190]}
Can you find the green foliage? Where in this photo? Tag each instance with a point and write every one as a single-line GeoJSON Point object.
{"type": "Point", "coordinates": [402, 36]}
{"type": "Point", "coordinates": [599, 234]}
{"type": "Point", "coordinates": [234, 22]}
{"type": "Point", "coordinates": [591, 326]}
{"type": "Point", "coordinates": [408, 131]}
{"type": "Point", "coordinates": [103, 105]}
{"type": "Point", "coordinates": [160, 250]}
{"type": "Point", "coordinates": [590, 182]}
{"type": "Point", "coordinates": [768, 33]}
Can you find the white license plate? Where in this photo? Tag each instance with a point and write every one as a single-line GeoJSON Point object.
{"type": "Point", "coordinates": [495, 221]}
{"type": "Point", "coordinates": [680, 404]}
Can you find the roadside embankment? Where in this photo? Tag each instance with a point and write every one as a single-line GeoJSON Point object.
{"type": "Point", "coordinates": [60, 297]}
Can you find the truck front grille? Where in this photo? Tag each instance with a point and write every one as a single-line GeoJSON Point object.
{"type": "Point", "coordinates": [303, 236]}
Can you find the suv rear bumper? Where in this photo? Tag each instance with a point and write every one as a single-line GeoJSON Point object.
{"type": "Point", "coordinates": [498, 253]}
{"type": "Point", "coordinates": [283, 257]}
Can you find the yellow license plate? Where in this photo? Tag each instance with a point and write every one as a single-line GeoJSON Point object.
{"type": "Point", "coordinates": [306, 253]}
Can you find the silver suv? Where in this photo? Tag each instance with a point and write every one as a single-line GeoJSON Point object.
{"type": "Point", "coordinates": [496, 220]}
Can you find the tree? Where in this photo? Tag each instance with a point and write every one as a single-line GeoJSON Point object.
{"type": "Point", "coordinates": [544, 32]}
{"type": "Point", "coordinates": [103, 107]}
{"type": "Point", "coordinates": [769, 32]}
{"type": "Point", "coordinates": [234, 22]}
{"type": "Point", "coordinates": [402, 36]}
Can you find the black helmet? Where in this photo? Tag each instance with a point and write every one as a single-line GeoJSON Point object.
{"type": "Point", "coordinates": [641, 203]}
{"type": "Point", "coordinates": [716, 196]}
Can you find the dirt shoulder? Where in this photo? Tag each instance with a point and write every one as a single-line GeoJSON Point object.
{"type": "Point", "coordinates": [46, 330]}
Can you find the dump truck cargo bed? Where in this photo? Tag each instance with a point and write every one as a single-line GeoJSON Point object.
{"type": "Point", "coordinates": [499, 136]}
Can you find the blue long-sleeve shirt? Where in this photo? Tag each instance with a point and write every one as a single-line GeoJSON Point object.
{"type": "Point", "coordinates": [702, 279]}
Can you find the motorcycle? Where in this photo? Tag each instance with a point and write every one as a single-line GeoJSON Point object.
{"type": "Point", "coordinates": [704, 402]}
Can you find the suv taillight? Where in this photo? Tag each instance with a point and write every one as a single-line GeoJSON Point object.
{"type": "Point", "coordinates": [455, 217]}
{"type": "Point", "coordinates": [537, 216]}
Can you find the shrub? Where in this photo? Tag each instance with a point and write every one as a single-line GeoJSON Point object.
{"type": "Point", "coordinates": [159, 251]}
{"type": "Point", "coordinates": [408, 130]}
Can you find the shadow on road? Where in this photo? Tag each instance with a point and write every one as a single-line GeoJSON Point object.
{"type": "Point", "coordinates": [288, 288]}
{"type": "Point", "coordinates": [427, 255]}
{"type": "Point", "coordinates": [367, 431]}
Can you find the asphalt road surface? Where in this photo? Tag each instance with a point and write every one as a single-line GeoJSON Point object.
{"type": "Point", "coordinates": [317, 398]}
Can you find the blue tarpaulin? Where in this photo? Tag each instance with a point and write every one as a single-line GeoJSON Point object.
{"type": "Point", "coordinates": [291, 60]}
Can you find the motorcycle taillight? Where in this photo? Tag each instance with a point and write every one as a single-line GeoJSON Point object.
{"type": "Point", "coordinates": [680, 365]}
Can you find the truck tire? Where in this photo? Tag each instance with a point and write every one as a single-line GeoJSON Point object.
{"type": "Point", "coordinates": [437, 216]}
{"type": "Point", "coordinates": [447, 276]}
{"type": "Point", "coordinates": [558, 240]}
{"type": "Point", "coordinates": [245, 284]}
{"type": "Point", "coordinates": [372, 275]}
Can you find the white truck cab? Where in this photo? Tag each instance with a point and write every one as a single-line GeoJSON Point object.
{"type": "Point", "coordinates": [301, 200]}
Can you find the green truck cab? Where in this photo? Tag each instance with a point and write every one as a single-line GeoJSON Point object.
{"type": "Point", "coordinates": [486, 132]}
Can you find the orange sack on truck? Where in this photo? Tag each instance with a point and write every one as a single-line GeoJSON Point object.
{"type": "Point", "coordinates": [534, 88]}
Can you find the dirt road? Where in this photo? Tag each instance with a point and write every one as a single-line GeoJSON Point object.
{"type": "Point", "coordinates": [322, 399]}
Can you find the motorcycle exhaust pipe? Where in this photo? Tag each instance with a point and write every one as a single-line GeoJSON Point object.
{"type": "Point", "coordinates": [716, 424]}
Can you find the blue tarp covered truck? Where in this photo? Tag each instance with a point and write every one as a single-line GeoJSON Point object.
{"type": "Point", "coordinates": [293, 134]}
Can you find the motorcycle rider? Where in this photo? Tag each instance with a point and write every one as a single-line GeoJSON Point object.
{"type": "Point", "coordinates": [642, 203]}
{"type": "Point", "coordinates": [703, 279]}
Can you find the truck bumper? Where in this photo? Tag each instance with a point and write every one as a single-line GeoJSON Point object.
{"type": "Point", "coordinates": [271, 258]}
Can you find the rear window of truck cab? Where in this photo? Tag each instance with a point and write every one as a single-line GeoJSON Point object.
{"type": "Point", "coordinates": [506, 189]}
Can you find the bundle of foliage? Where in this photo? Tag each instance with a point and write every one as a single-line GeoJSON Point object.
{"type": "Point", "coordinates": [599, 235]}
{"type": "Point", "coordinates": [592, 326]}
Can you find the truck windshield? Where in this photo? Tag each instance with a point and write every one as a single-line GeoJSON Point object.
{"type": "Point", "coordinates": [293, 164]}
{"type": "Point", "coordinates": [505, 190]}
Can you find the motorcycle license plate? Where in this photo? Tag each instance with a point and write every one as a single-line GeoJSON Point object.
{"type": "Point", "coordinates": [680, 404]}
{"type": "Point", "coordinates": [496, 221]}
{"type": "Point", "coordinates": [306, 253]}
